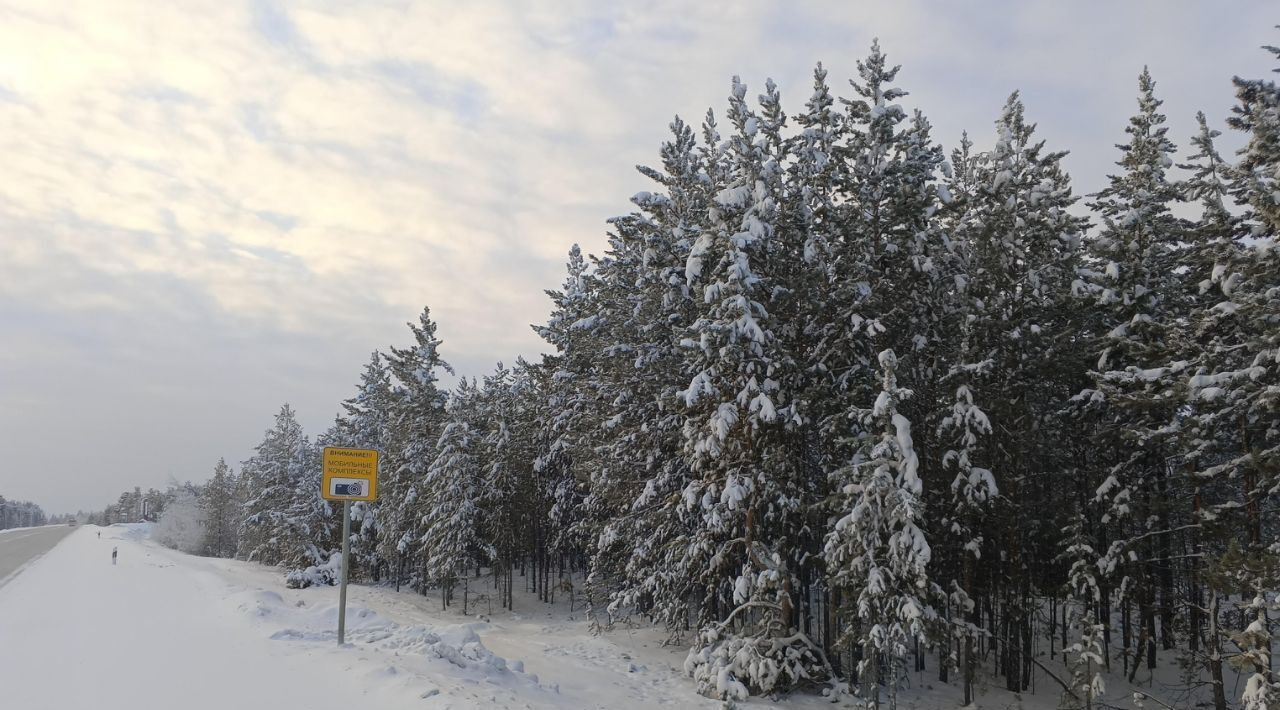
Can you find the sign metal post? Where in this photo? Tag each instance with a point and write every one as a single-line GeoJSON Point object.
{"type": "Point", "coordinates": [348, 474]}
{"type": "Point", "coordinates": [346, 565]}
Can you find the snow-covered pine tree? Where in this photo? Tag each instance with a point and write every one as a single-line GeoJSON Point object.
{"type": "Point", "coordinates": [551, 492]}
{"type": "Point", "coordinates": [1254, 574]}
{"type": "Point", "coordinates": [1023, 247]}
{"type": "Point", "coordinates": [890, 279]}
{"type": "Point", "coordinates": [568, 415]}
{"type": "Point", "coordinates": [367, 424]}
{"type": "Point", "coordinates": [1138, 291]}
{"type": "Point", "coordinates": [1256, 176]}
{"type": "Point", "coordinates": [505, 466]}
{"type": "Point", "coordinates": [632, 509]}
{"type": "Point", "coordinates": [817, 170]}
{"type": "Point", "coordinates": [809, 275]}
{"type": "Point", "coordinates": [1236, 384]}
{"type": "Point", "coordinates": [1233, 434]}
{"type": "Point", "coordinates": [1210, 237]}
{"type": "Point", "coordinates": [451, 526]}
{"type": "Point", "coordinates": [889, 252]}
{"type": "Point", "coordinates": [876, 553]}
{"type": "Point", "coordinates": [1212, 502]}
{"type": "Point", "coordinates": [1083, 594]}
{"type": "Point", "coordinates": [286, 521]}
{"type": "Point", "coordinates": [963, 430]}
{"type": "Point", "coordinates": [744, 506]}
{"type": "Point", "coordinates": [864, 239]}
{"type": "Point", "coordinates": [973, 489]}
{"type": "Point", "coordinates": [417, 411]}
{"type": "Point", "coordinates": [1210, 262]}
{"type": "Point", "coordinates": [1261, 692]}
{"type": "Point", "coordinates": [182, 524]}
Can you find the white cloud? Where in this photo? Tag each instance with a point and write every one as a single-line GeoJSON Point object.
{"type": "Point", "coordinates": [196, 195]}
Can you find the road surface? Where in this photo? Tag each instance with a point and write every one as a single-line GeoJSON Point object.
{"type": "Point", "coordinates": [21, 546]}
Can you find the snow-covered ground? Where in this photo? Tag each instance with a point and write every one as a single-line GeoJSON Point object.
{"type": "Point", "coordinates": [162, 629]}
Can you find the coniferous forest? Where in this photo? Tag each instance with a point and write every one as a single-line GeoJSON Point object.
{"type": "Point", "coordinates": [20, 514]}
{"type": "Point", "coordinates": [837, 399]}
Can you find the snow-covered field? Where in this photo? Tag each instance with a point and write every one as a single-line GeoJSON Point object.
{"type": "Point", "coordinates": [162, 629]}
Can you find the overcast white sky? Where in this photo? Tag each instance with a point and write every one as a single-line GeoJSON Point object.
{"type": "Point", "coordinates": [210, 208]}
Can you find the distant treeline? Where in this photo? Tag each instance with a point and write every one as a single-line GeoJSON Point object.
{"type": "Point", "coordinates": [20, 514]}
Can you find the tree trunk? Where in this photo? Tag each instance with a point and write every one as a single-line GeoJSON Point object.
{"type": "Point", "coordinates": [1126, 632]}
{"type": "Point", "coordinates": [1150, 616]}
{"type": "Point", "coordinates": [870, 676]}
{"type": "Point", "coordinates": [1104, 618]}
{"type": "Point", "coordinates": [1164, 569]}
{"type": "Point", "coordinates": [1214, 643]}
{"type": "Point", "coordinates": [1195, 616]}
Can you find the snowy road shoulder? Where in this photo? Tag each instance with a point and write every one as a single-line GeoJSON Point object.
{"type": "Point", "coordinates": [562, 663]}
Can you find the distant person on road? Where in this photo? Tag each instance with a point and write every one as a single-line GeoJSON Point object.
{"type": "Point", "coordinates": [99, 534]}
{"type": "Point", "coordinates": [114, 552]}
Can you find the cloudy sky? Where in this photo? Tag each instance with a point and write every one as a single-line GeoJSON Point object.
{"type": "Point", "coordinates": [211, 208]}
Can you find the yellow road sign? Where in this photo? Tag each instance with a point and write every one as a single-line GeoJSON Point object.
{"type": "Point", "coordinates": [350, 474]}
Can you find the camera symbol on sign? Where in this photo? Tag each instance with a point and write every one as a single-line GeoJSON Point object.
{"type": "Point", "coordinates": [355, 488]}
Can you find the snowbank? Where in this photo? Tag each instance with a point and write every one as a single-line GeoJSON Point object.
{"type": "Point", "coordinates": [325, 575]}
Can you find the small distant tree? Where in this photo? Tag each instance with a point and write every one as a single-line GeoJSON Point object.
{"type": "Point", "coordinates": [222, 512]}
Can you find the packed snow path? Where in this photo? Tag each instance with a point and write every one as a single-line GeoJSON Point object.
{"type": "Point", "coordinates": [20, 546]}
